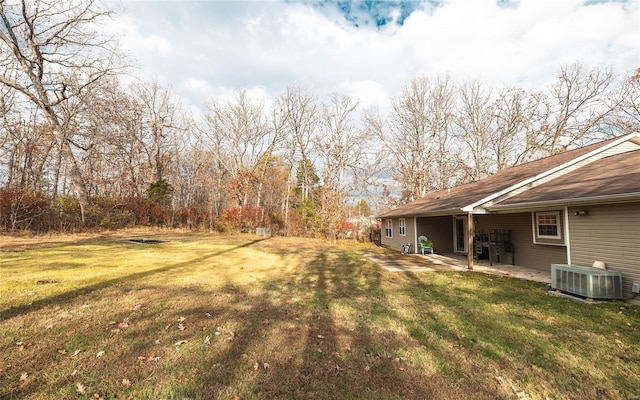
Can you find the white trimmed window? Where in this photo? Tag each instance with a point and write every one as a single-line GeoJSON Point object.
{"type": "Point", "coordinates": [402, 230]}
{"type": "Point", "coordinates": [548, 225]}
{"type": "Point", "coordinates": [548, 228]}
{"type": "Point", "coordinates": [388, 231]}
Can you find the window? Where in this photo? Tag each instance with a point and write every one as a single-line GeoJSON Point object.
{"type": "Point", "coordinates": [388, 231]}
{"type": "Point", "coordinates": [548, 225]}
{"type": "Point", "coordinates": [402, 227]}
{"type": "Point", "coordinates": [548, 228]}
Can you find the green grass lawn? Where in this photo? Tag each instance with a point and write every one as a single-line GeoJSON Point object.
{"type": "Point", "coordinates": [244, 317]}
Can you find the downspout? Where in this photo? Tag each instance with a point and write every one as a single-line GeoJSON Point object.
{"type": "Point", "coordinates": [470, 248]}
{"type": "Point", "coordinates": [566, 234]}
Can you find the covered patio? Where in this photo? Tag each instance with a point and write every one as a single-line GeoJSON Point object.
{"type": "Point", "coordinates": [453, 262]}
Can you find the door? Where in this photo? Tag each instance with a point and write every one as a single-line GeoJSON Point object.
{"type": "Point", "coordinates": [460, 234]}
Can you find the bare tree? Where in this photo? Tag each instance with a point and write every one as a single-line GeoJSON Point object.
{"type": "Point", "coordinates": [574, 109]}
{"type": "Point", "coordinates": [340, 146]}
{"type": "Point", "coordinates": [51, 52]}
{"type": "Point", "coordinates": [474, 129]}
{"type": "Point", "coordinates": [515, 114]}
{"type": "Point", "coordinates": [441, 117]}
{"type": "Point", "coordinates": [296, 116]}
{"type": "Point", "coordinates": [406, 136]}
{"type": "Point", "coordinates": [161, 112]}
{"type": "Point", "coordinates": [625, 103]}
{"type": "Point", "coordinates": [25, 144]}
{"type": "Point", "coordinates": [417, 136]}
{"type": "Point", "coordinates": [242, 142]}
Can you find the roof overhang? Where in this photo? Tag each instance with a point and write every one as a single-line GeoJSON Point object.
{"type": "Point", "coordinates": [632, 137]}
{"type": "Point", "coordinates": [580, 201]}
{"type": "Point", "coordinates": [438, 213]}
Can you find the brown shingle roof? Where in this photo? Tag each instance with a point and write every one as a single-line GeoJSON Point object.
{"type": "Point", "coordinates": [454, 199]}
{"type": "Point", "coordinates": [613, 175]}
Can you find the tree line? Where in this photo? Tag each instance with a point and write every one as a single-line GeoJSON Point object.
{"type": "Point", "coordinates": [79, 150]}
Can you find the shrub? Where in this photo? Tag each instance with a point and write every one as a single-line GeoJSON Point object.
{"type": "Point", "coordinates": [22, 209]}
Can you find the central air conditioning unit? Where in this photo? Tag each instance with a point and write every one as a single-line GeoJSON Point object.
{"type": "Point", "coordinates": [589, 282]}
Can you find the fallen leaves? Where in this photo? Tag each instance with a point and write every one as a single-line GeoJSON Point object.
{"type": "Point", "coordinates": [23, 345]}
{"type": "Point", "coordinates": [149, 358]}
{"type": "Point", "coordinates": [24, 376]}
{"type": "Point", "coordinates": [124, 324]}
{"type": "Point", "coordinates": [220, 330]}
{"type": "Point", "coordinates": [80, 388]}
{"type": "Point", "coordinates": [100, 353]}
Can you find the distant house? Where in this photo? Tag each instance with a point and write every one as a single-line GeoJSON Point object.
{"type": "Point", "coordinates": [574, 208]}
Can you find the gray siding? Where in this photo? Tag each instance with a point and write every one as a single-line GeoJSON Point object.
{"type": "Point", "coordinates": [439, 230]}
{"type": "Point", "coordinates": [526, 253]}
{"type": "Point", "coordinates": [397, 241]}
{"type": "Point", "coordinates": [610, 234]}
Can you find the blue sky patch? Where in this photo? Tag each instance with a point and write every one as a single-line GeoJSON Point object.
{"type": "Point", "coordinates": [377, 14]}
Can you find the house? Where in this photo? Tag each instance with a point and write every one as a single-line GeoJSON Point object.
{"type": "Point", "coordinates": [575, 208]}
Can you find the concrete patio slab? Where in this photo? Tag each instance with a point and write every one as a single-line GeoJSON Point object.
{"type": "Point", "coordinates": [439, 262]}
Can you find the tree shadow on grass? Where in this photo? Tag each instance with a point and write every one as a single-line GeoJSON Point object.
{"type": "Point", "coordinates": [328, 356]}
{"type": "Point", "coordinates": [70, 295]}
{"type": "Point", "coordinates": [330, 330]}
{"type": "Point", "coordinates": [511, 325]}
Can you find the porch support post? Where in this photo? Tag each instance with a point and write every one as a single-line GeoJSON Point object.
{"type": "Point", "coordinates": [470, 248]}
{"type": "Point", "coordinates": [415, 235]}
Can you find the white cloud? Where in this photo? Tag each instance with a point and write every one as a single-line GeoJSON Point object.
{"type": "Point", "coordinates": [156, 44]}
{"type": "Point", "coordinates": [368, 93]}
{"type": "Point", "coordinates": [221, 46]}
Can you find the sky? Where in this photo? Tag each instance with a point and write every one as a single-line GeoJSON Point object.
{"type": "Point", "coordinates": [368, 49]}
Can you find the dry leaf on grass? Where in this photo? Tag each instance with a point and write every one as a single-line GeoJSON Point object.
{"type": "Point", "coordinates": [75, 353]}
{"type": "Point", "coordinates": [100, 353]}
{"type": "Point", "coordinates": [23, 377]}
{"type": "Point", "coordinates": [207, 340]}
{"type": "Point", "coordinates": [182, 319]}
{"type": "Point", "coordinates": [126, 382]}
{"type": "Point", "coordinates": [180, 342]}
{"type": "Point", "coordinates": [80, 388]}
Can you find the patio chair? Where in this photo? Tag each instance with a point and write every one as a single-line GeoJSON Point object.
{"type": "Point", "coordinates": [426, 245]}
